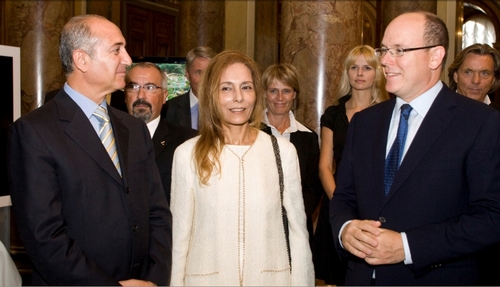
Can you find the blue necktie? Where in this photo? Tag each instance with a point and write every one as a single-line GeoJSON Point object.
{"type": "Point", "coordinates": [393, 159]}
{"type": "Point", "coordinates": [194, 117]}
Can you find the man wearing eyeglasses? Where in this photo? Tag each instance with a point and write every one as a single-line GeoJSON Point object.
{"type": "Point", "coordinates": [145, 94]}
{"type": "Point", "coordinates": [418, 189]}
{"type": "Point", "coordinates": [475, 73]}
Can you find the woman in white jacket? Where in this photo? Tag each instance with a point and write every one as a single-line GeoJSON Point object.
{"type": "Point", "coordinates": [227, 220]}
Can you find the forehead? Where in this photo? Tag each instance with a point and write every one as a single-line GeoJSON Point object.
{"type": "Point", "coordinates": [107, 32]}
{"type": "Point", "coordinates": [278, 83]}
{"type": "Point", "coordinates": [144, 72]}
{"type": "Point", "coordinates": [360, 59]}
{"type": "Point", "coordinates": [478, 62]}
{"type": "Point", "coordinates": [406, 30]}
{"type": "Point", "coordinates": [236, 71]}
{"type": "Point", "coordinates": [200, 63]}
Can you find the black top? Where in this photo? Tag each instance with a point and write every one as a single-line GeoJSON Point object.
{"type": "Point", "coordinates": [335, 118]}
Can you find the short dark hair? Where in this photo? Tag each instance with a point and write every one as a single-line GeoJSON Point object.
{"type": "Point", "coordinates": [477, 49]}
{"type": "Point", "coordinates": [436, 33]}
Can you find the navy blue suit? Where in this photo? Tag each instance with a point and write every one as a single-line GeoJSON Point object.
{"type": "Point", "coordinates": [445, 196]}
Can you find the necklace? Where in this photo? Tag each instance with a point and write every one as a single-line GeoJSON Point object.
{"type": "Point", "coordinates": [241, 208]}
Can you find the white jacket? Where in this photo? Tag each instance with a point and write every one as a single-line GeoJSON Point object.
{"type": "Point", "coordinates": [230, 232]}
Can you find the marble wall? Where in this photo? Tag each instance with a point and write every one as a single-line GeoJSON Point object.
{"type": "Point", "coordinates": [201, 24]}
{"type": "Point", "coordinates": [315, 36]}
{"type": "Point", "coordinates": [312, 35]}
{"type": "Point", "coordinates": [35, 27]}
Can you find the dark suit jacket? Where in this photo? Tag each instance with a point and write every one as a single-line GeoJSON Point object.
{"type": "Point", "coordinates": [80, 223]}
{"type": "Point", "coordinates": [307, 148]}
{"type": "Point", "coordinates": [445, 196]}
{"type": "Point", "coordinates": [495, 105]}
{"type": "Point", "coordinates": [166, 139]}
{"type": "Point", "coordinates": [179, 111]}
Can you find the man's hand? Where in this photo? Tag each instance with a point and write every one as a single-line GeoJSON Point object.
{"type": "Point", "coordinates": [135, 282]}
{"type": "Point", "coordinates": [388, 250]}
{"type": "Point", "coordinates": [360, 237]}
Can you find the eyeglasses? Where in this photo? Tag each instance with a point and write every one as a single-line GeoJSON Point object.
{"type": "Point", "coordinates": [149, 88]}
{"type": "Point", "coordinates": [398, 52]}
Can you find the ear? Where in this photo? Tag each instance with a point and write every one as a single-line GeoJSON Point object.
{"type": "Point", "coordinates": [294, 94]}
{"type": "Point", "coordinates": [437, 56]}
{"type": "Point", "coordinates": [455, 77]}
{"type": "Point", "coordinates": [81, 60]}
{"type": "Point", "coordinates": [165, 95]}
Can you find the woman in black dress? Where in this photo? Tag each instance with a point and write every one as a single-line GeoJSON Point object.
{"type": "Point", "coordinates": [362, 84]}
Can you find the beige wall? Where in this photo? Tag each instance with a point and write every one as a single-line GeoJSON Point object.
{"type": "Point", "coordinates": [240, 26]}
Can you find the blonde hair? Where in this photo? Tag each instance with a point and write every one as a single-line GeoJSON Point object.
{"type": "Point", "coordinates": [379, 93]}
{"type": "Point", "coordinates": [209, 146]}
{"type": "Point", "coordinates": [285, 73]}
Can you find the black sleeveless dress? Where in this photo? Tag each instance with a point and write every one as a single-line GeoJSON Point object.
{"type": "Point", "coordinates": [327, 264]}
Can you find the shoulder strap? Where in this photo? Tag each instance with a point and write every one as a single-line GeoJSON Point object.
{"type": "Point", "coordinates": [277, 155]}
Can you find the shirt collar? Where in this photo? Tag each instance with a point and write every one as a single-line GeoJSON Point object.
{"type": "Point", "coordinates": [294, 124]}
{"type": "Point", "coordinates": [422, 103]}
{"type": "Point", "coordinates": [193, 100]}
{"type": "Point", "coordinates": [153, 125]}
{"type": "Point", "coordinates": [87, 105]}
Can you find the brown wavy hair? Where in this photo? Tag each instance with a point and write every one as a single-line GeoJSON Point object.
{"type": "Point", "coordinates": [209, 146]}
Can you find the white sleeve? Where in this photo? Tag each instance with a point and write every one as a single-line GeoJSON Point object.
{"type": "Point", "coordinates": [182, 207]}
{"type": "Point", "coordinates": [300, 251]}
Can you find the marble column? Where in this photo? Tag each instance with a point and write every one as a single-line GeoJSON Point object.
{"type": "Point", "coordinates": [315, 37]}
{"type": "Point", "coordinates": [201, 24]}
{"type": "Point", "coordinates": [35, 27]}
{"type": "Point", "coordinates": [392, 8]}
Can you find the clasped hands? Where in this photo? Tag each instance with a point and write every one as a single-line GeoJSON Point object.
{"type": "Point", "coordinates": [136, 282]}
{"type": "Point", "coordinates": [367, 240]}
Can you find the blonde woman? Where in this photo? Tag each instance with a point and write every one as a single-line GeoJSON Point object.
{"type": "Point", "coordinates": [362, 84]}
{"type": "Point", "coordinates": [227, 219]}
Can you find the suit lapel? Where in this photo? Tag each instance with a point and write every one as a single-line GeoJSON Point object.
{"type": "Point", "coordinates": [161, 138]}
{"type": "Point", "coordinates": [380, 145]}
{"type": "Point", "coordinates": [184, 112]}
{"type": "Point", "coordinates": [435, 122]}
{"type": "Point", "coordinates": [122, 138]}
{"type": "Point", "coordinates": [79, 129]}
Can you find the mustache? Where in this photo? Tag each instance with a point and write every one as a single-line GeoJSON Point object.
{"type": "Point", "coordinates": [142, 102]}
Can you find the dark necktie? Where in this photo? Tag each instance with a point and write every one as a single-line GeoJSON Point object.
{"type": "Point", "coordinates": [106, 136]}
{"type": "Point", "coordinates": [393, 159]}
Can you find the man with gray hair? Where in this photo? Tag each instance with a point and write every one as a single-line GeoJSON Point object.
{"type": "Point", "coordinates": [145, 94]}
{"type": "Point", "coordinates": [183, 110]}
{"type": "Point", "coordinates": [86, 192]}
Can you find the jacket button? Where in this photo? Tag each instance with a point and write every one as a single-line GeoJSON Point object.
{"type": "Point", "coordinates": [135, 227]}
{"type": "Point", "coordinates": [382, 219]}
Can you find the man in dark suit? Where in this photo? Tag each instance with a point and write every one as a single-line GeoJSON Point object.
{"type": "Point", "coordinates": [183, 110]}
{"type": "Point", "coordinates": [475, 73]}
{"type": "Point", "coordinates": [87, 216]}
{"type": "Point", "coordinates": [145, 93]}
{"type": "Point", "coordinates": [420, 223]}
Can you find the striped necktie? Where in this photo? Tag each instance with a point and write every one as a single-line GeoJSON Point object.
{"type": "Point", "coordinates": [106, 136]}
